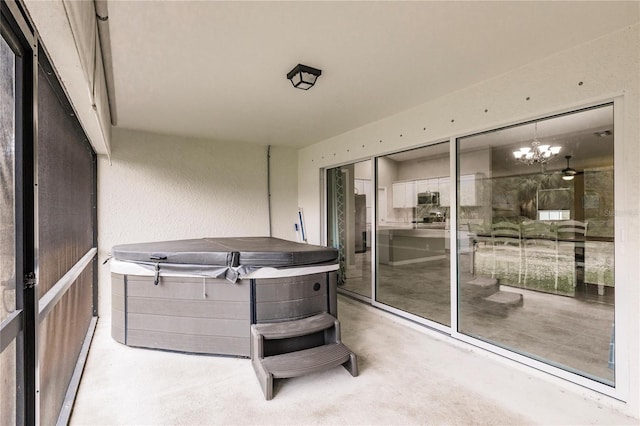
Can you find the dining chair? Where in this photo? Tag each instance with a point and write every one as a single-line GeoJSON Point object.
{"type": "Point", "coordinates": [506, 238]}
{"type": "Point", "coordinates": [481, 241]}
{"type": "Point", "coordinates": [540, 250]}
{"type": "Point", "coordinates": [572, 235]}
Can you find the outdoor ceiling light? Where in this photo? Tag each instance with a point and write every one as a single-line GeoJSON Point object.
{"type": "Point", "coordinates": [303, 77]}
{"type": "Point", "coordinates": [536, 153]}
{"type": "Point", "coordinates": [568, 173]}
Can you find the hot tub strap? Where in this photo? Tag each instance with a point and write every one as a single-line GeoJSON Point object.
{"type": "Point", "coordinates": [156, 279]}
{"type": "Point", "coordinates": [233, 259]}
{"type": "Point", "coordinates": [204, 287]}
{"type": "Point", "coordinates": [232, 275]}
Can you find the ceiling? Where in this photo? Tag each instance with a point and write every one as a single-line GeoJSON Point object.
{"type": "Point", "coordinates": [217, 70]}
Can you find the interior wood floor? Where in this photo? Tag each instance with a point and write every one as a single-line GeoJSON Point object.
{"type": "Point", "coordinates": [572, 332]}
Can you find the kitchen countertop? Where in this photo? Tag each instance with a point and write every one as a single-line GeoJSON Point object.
{"type": "Point", "coordinates": [413, 226]}
{"type": "Point", "coordinates": [416, 233]}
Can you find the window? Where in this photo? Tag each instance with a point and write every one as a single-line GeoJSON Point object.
{"type": "Point", "coordinates": [8, 280]}
{"type": "Point", "coordinates": [350, 201]}
{"type": "Point", "coordinates": [412, 262]}
{"type": "Point", "coordinates": [541, 281]}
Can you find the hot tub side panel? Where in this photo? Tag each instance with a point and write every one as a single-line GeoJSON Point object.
{"type": "Point", "coordinates": [118, 308]}
{"type": "Point", "coordinates": [200, 315]}
{"type": "Point", "coordinates": [285, 299]}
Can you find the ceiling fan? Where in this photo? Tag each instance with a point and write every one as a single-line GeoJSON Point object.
{"type": "Point", "coordinates": [568, 173]}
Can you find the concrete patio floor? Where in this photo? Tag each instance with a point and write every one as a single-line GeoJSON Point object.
{"type": "Point", "coordinates": [408, 375]}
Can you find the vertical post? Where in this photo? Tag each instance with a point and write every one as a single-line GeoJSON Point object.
{"type": "Point", "coordinates": [30, 247]}
{"type": "Point", "coordinates": [94, 226]}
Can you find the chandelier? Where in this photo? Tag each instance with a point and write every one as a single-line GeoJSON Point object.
{"type": "Point", "coordinates": [536, 153]}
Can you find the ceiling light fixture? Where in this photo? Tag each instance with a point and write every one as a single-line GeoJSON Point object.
{"type": "Point", "coordinates": [537, 153]}
{"type": "Point", "coordinates": [303, 77]}
{"type": "Point", "coordinates": [568, 173]}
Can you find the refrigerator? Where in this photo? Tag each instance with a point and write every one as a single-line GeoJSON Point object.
{"type": "Point", "coordinates": [360, 223]}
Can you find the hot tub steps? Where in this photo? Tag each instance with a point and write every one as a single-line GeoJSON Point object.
{"type": "Point", "coordinates": [500, 302]}
{"type": "Point", "coordinates": [506, 298]}
{"type": "Point", "coordinates": [479, 287]}
{"type": "Point", "coordinates": [484, 295]}
{"type": "Point", "coordinates": [307, 361]}
{"type": "Point", "coordinates": [329, 354]}
{"type": "Point", "coordinates": [296, 328]}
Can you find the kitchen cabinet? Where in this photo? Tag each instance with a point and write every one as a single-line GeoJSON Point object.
{"type": "Point", "coordinates": [368, 192]}
{"type": "Point", "coordinates": [358, 184]}
{"type": "Point", "coordinates": [427, 185]}
{"type": "Point", "coordinates": [398, 195]}
{"type": "Point", "coordinates": [404, 194]}
{"type": "Point", "coordinates": [363, 187]}
{"type": "Point", "coordinates": [443, 188]}
{"type": "Point", "coordinates": [470, 190]}
{"type": "Point", "coordinates": [404, 246]}
{"type": "Point", "coordinates": [410, 194]}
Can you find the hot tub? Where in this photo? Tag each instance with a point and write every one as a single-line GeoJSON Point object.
{"type": "Point", "coordinates": [202, 295]}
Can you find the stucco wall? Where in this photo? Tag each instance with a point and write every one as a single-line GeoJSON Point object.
{"type": "Point", "coordinates": [166, 187]}
{"type": "Point", "coordinates": [593, 72]}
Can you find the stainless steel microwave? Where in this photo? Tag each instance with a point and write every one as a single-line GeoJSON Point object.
{"type": "Point", "coordinates": [431, 198]}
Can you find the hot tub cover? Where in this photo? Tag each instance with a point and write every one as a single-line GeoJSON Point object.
{"type": "Point", "coordinates": [229, 257]}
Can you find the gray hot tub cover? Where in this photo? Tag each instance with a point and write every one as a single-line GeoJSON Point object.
{"type": "Point", "coordinates": [231, 257]}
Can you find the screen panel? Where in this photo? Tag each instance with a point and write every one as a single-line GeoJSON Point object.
{"type": "Point", "coordinates": [65, 234]}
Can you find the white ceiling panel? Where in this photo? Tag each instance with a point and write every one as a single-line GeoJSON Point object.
{"type": "Point", "coordinates": [217, 69]}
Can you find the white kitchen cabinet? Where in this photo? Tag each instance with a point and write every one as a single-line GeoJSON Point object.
{"type": "Point", "coordinates": [398, 195]}
{"type": "Point", "coordinates": [427, 185]}
{"type": "Point", "coordinates": [363, 187]}
{"type": "Point", "coordinates": [470, 186]}
{"type": "Point", "coordinates": [433, 185]}
{"type": "Point", "coordinates": [404, 194]}
{"type": "Point", "coordinates": [368, 192]}
{"type": "Point", "coordinates": [410, 194]}
{"type": "Point", "coordinates": [443, 188]}
{"type": "Point", "coordinates": [358, 184]}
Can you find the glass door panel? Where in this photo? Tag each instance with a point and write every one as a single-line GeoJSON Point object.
{"type": "Point", "coordinates": [7, 172]}
{"type": "Point", "coordinates": [413, 272]}
{"type": "Point", "coordinates": [349, 203]}
{"type": "Point", "coordinates": [7, 226]}
{"type": "Point", "coordinates": [536, 238]}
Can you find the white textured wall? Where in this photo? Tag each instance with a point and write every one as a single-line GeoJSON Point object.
{"type": "Point", "coordinates": [284, 192]}
{"type": "Point", "coordinates": [594, 71]}
{"type": "Point", "coordinates": [166, 187]}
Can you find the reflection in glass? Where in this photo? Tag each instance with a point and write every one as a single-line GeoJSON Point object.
{"type": "Point", "coordinates": [7, 195]}
{"type": "Point", "coordinates": [7, 228]}
{"type": "Point", "coordinates": [412, 232]}
{"type": "Point", "coordinates": [541, 280]}
{"type": "Point", "coordinates": [8, 385]}
{"type": "Point", "coordinates": [349, 203]}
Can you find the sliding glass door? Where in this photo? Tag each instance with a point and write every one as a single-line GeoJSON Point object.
{"type": "Point", "coordinates": [8, 354]}
{"type": "Point", "coordinates": [349, 206]}
{"type": "Point", "coordinates": [534, 215]}
{"type": "Point", "coordinates": [412, 234]}
{"type": "Point", "coordinates": [539, 230]}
